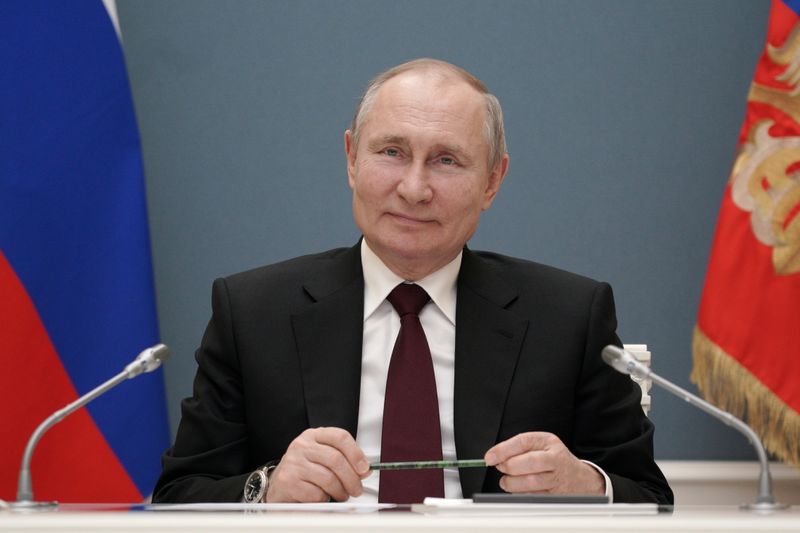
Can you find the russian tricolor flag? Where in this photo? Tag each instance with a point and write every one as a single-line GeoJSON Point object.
{"type": "Point", "coordinates": [76, 284]}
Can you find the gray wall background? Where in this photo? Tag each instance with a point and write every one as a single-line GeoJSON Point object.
{"type": "Point", "coordinates": [622, 119]}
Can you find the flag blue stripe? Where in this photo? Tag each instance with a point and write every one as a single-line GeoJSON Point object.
{"type": "Point", "coordinates": [794, 5]}
{"type": "Point", "coordinates": [73, 218]}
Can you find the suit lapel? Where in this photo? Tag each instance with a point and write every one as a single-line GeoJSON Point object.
{"type": "Point", "coordinates": [329, 335]}
{"type": "Point", "coordinates": [488, 342]}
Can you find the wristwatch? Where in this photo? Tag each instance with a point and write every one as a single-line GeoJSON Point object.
{"type": "Point", "coordinates": [255, 488]}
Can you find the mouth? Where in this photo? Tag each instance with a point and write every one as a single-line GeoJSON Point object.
{"type": "Point", "coordinates": [409, 220]}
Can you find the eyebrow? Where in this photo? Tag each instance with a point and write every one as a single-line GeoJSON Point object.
{"type": "Point", "coordinates": [388, 139]}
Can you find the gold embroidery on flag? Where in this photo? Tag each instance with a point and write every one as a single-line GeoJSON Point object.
{"type": "Point", "coordinates": [788, 55]}
{"type": "Point", "coordinates": [782, 100]}
{"type": "Point", "coordinates": [723, 381]}
{"type": "Point", "coordinates": [762, 186]}
{"type": "Point", "coordinates": [762, 182]}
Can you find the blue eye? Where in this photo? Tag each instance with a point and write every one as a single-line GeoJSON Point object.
{"type": "Point", "coordinates": [448, 161]}
{"type": "Point", "coordinates": [391, 152]}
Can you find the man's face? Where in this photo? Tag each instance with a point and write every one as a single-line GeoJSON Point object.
{"type": "Point", "coordinates": [419, 173]}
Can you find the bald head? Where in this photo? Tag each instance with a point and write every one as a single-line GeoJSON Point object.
{"type": "Point", "coordinates": [447, 73]}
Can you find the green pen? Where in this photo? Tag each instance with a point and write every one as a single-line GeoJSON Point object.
{"type": "Point", "coordinates": [418, 465]}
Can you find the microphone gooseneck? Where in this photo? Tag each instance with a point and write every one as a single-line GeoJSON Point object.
{"type": "Point", "coordinates": [624, 362]}
{"type": "Point", "coordinates": [147, 361]}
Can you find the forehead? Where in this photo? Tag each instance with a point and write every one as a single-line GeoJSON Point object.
{"type": "Point", "coordinates": [429, 100]}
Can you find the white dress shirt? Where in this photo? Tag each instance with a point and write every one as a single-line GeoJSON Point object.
{"type": "Point", "coordinates": [381, 327]}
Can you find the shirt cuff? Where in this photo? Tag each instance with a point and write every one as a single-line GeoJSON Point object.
{"type": "Point", "coordinates": [609, 488]}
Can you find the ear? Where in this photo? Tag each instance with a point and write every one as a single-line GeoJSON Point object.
{"type": "Point", "coordinates": [494, 182]}
{"type": "Point", "coordinates": [350, 155]}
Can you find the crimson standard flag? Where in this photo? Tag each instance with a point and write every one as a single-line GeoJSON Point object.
{"type": "Point", "coordinates": [76, 286]}
{"type": "Point", "coordinates": [746, 342]}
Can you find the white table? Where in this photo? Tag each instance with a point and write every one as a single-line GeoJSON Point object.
{"type": "Point", "coordinates": [683, 518]}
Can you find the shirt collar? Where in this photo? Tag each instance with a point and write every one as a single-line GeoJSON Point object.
{"type": "Point", "coordinates": [379, 281]}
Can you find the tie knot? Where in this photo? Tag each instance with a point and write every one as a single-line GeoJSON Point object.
{"type": "Point", "coordinates": [408, 298]}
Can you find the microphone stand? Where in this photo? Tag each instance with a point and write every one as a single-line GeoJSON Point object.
{"type": "Point", "coordinates": [147, 361]}
{"type": "Point", "coordinates": [622, 361]}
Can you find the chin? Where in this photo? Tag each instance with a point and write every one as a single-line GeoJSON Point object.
{"type": "Point", "coordinates": [400, 247]}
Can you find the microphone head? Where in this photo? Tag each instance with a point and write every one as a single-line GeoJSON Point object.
{"type": "Point", "coordinates": [159, 354]}
{"type": "Point", "coordinates": [619, 359]}
{"type": "Point", "coordinates": [147, 361]}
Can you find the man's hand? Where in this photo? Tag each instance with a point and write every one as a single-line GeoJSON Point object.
{"type": "Point", "coordinates": [320, 464]}
{"type": "Point", "coordinates": [539, 462]}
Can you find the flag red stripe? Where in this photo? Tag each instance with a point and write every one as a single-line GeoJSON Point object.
{"type": "Point", "coordinates": [73, 461]}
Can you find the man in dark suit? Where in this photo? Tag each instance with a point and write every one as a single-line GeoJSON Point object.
{"type": "Point", "coordinates": [292, 370]}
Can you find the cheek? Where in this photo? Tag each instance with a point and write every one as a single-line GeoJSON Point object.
{"type": "Point", "coordinates": [373, 182]}
{"type": "Point", "coordinates": [463, 199]}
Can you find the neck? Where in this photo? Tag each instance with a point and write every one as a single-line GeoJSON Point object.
{"type": "Point", "coordinates": [411, 272]}
{"type": "Point", "coordinates": [411, 269]}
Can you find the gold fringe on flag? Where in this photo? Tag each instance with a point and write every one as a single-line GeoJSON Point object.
{"type": "Point", "coordinates": [730, 386]}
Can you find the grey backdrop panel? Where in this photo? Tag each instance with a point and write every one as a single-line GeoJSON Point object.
{"type": "Point", "coordinates": [622, 120]}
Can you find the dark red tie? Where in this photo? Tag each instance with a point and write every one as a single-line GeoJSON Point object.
{"type": "Point", "coordinates": [411, 429]}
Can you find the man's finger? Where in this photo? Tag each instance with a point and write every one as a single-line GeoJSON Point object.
{"type": "Point", "coordinates": [308, 493]}
{"type": "Point", "coordinates": [543, 482]}
{"type": "Point", "coordinates": [335, 464]}
{"type": "Point", "coordinates": [534, 462]}
{"type": "Point", "coordinates": [286, 485]}
{"type": "Point", "coordinates": [329, 482]}
{"type": "Point", "coordinates": [344, 442]}
{"type": "Point", "coordinates": [516, 445]}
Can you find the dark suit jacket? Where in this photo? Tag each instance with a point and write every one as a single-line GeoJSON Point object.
{"type": "Point", "coordinates": [282, 353]}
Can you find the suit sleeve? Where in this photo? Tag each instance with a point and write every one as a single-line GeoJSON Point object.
{"type": "Point", "coordinates": [210, 454]}
{"type": "Point", "coordinates": [610, 428]}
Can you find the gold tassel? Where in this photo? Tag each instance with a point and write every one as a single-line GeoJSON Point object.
{"type": "Point", "coordinates": [728, 385]}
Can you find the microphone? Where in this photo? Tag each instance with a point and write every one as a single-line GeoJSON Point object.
{"type": "Point", "coordinates": [622, 361]}
{"type": "Point", "coordinates": [147, 361]}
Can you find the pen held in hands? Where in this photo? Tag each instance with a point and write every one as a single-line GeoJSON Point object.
{"type": "Point", "coordinates": [418, 465]}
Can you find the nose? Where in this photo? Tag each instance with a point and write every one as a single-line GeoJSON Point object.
{"type": "Point", "coordinates": [414, 185]}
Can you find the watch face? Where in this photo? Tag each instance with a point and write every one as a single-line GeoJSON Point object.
{"type": "Point", "coordinates": [254, 487]}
